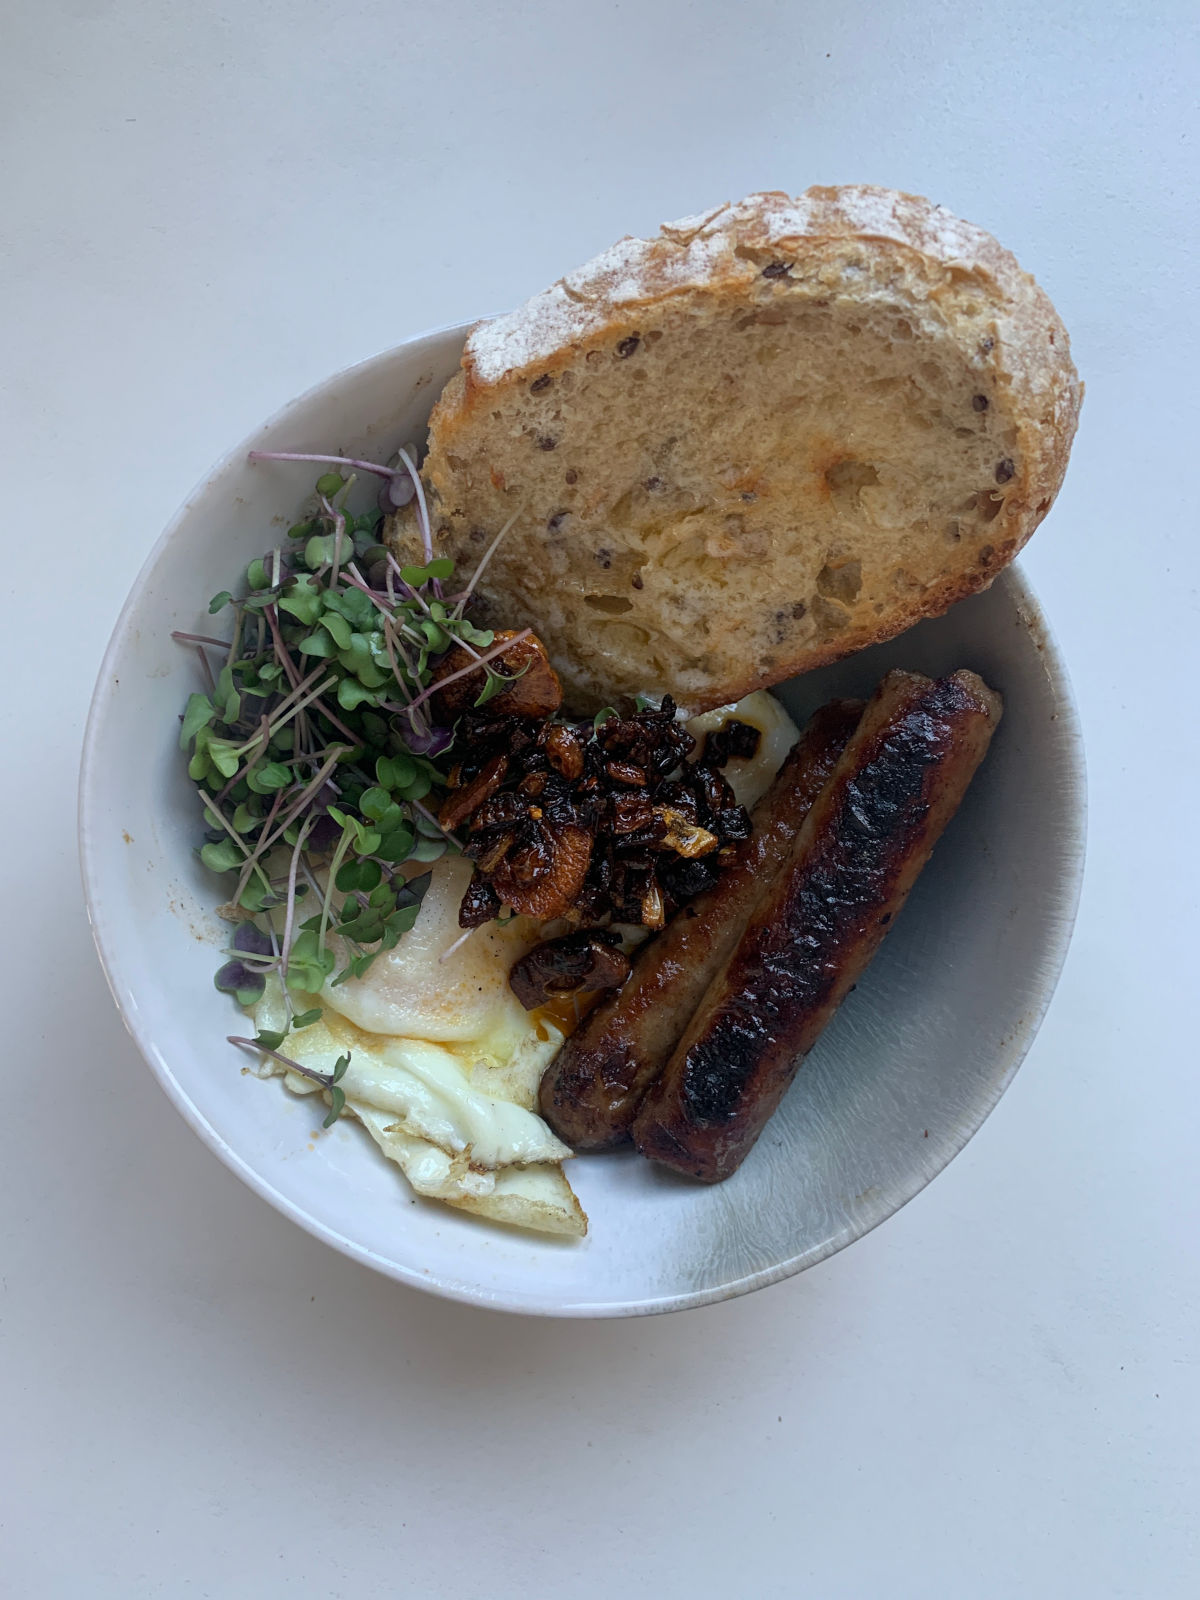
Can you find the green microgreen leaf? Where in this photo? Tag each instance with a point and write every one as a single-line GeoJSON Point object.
{"type": "Point", "coordinates": [395, 772]}
{"type": "Point", "coordinates": [497, 682]}
{"type": "Point", "coordinates": [357, 967]}
{"type": "Point", "coordinates": [227, 697]}
{"type": "Point", "coordinates": [480, 636]}
{"type": "Point", "coordinates": [318, 552]}
{"type": "Point", "coordinates": [357, 657]}
{"type": "Point", "coordinates": [305, 1019]}
{"type": "Point", "coordinates": [198, 713]}
{"type": "Point", "coordinates": [308, 964]}
{"type": "Point", "coordinates": [317, 644]}
{"type": "Point", "coordinates": [374, 802]}
{"type": "Point", "coordinates": [221, 856]}
{"type": "Point", "coordinates": [224, 755]}
{"type": "Point", "coordinates": [337, 627]}
{"type": "Point", "coordinates": [219, 602]}
{"type": "Point", "coordinates": [402, 919]}
{"type": "Point", "coordinates": [358, 876]}
{"type": "Point", "coordinates": [429, 849]}
{"type": "Point", "coordinates": [391, 819]}
{"type": "Point", "coordinates": [303, 600]}
{"type": "Point", "coordinates": [418, 785]}
{"type": "Point", "coordinates": [257, 896]}
{"type": "Point", "coordinates": [395, 846]}
{"type": "Point", "coordinates": [268, 777]}
{"type": "Point", "coordinates": [351, 693]}
{"type": "Point", "coordinates": [330, 483]}
{"type": "Point", "coordinates": [436, 637]}
{"type": "Point", "coordinates": [337, 1102]}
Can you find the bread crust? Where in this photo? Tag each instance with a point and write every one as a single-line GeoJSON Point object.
{"type": "Point", "coordinates": [827, 245]}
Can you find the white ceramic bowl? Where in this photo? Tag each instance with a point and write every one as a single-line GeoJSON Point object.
{"type": "Point", "coordinates": [906, 1073]}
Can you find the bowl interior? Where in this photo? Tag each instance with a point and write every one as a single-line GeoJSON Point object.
{"type": "Point", "coordinates": [906, 1073]}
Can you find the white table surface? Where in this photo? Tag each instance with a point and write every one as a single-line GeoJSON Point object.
{"type": "Point", "coordinates": [205, 209]}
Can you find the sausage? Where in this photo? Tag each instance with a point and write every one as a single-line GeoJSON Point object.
{"type": "Point", "coordinates": [863, 844]}
{"type": "Point", "coordinates": [592, 1088]}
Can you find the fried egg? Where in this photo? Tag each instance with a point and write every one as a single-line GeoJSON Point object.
{"type": "Point", "coordinates": [751, 779]}
{"type": "Point", "coordinates": [444, 1063]}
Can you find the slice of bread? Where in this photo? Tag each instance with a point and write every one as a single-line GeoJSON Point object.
{"type": "Point", "coordinates": [772, 435]}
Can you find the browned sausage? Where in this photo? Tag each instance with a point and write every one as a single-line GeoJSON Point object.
{"type": "Point", "coordinates": [593, 1087]}
{"type": "Point", "coordinates": [863, 844]}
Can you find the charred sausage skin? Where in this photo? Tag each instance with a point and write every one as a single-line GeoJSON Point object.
{"type": "Point", "coordinates": [864, 842]}
{"type": "Point", "coordinates": [591, 1090]}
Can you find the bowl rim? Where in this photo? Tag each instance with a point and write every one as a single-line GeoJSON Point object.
{"type": "Point", "coordinates": [107, 948]}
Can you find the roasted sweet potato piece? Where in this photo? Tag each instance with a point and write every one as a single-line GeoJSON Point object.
{"type": "Point", "coordinates": [536, 693]}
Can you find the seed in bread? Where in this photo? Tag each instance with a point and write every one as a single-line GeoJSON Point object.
{"type": "Point", "coordinates": [772, 435]}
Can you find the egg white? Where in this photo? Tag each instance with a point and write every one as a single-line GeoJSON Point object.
{"type": "Point", "coordinates": [452, 1106]}
{"type": "Point", "coordinates": [751, 779]}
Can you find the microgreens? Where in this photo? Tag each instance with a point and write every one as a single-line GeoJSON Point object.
{"type": "Point", "coordinates": [314, 744]}
{"type": "Point", "coordinates": [267, 1042]}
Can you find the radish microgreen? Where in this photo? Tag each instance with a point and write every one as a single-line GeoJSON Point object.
{"type": "Point", "coordinates": [315, 742]}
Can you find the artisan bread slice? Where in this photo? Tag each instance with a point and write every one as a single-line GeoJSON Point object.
{"type": "Point", "coordinates": [772, 435]}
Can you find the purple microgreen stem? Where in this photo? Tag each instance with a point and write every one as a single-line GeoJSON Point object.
{"type": "Point", "coordinates": [252, 860]}
{"type": "Point", "coordinates": [209, 803]}
{"type": "Point", "coordinates": [269, 836]}
{"type": "Point", "coordinates": [422, 513]}
{"type": "Point", "coordinates": [206, 670]}
{"type": "Point", "coordinates": [281, 650]}
{"type": "Point", "coordinates": [329, 461]}
{"type": "Point", "coordinates": [487, 555]}
{"type": "Point", "coordinates": [325, 1079]}
{"type": "Point", "coordinates": [391, 644]}
{"type": "Point", "coordinates": [264, 736]}
{"type": "Point", "coordinates": [306, 796]}
{"type": "Point", "coordinates": [199, 638]}
{"type": "Point", "coordinates": [453, 677]}
{"type": "Point", "coordinates": [354, 738]}
{"type": "Point", "coordinates": [339, 529]}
